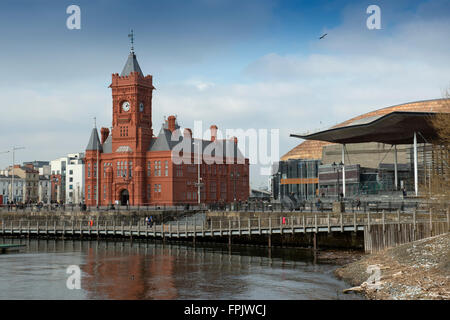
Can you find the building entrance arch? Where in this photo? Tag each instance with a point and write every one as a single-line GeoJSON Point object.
{"type": "Point", "coordinates": [124, 197]}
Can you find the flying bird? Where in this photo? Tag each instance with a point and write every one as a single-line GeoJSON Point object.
{"type": "Point", "coordinates": [323, 36]}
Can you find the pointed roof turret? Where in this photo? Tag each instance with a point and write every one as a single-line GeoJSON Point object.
{"type": "Point", "coordinates": [94, 141]}
{"type": "Point", "coordinates": [131, 65]}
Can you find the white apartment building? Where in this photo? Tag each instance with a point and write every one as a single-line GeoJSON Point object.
{"type": "Point", "coordinates": [75, 178]}
{"type": "Point", "coordinates": [71, 169]}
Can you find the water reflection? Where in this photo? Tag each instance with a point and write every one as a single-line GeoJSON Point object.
{"type": "Point", "coordinates": [153, 270]}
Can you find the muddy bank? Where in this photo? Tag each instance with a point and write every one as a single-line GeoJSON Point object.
{"type": "Point", "coordinates": [339, 257]}
{"type": "Point", "coordinates": [413, 271]}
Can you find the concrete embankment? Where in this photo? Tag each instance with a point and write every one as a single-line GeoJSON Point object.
{"type": "Point", "coordinates": [416, 270]}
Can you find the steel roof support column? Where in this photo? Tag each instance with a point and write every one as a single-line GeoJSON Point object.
{"type": "Point", "coordinates": [416, 187]}
{"type": "Point", "coordinates": [395, 169]}
{"type": "Point", "coordinates": [343, 169]}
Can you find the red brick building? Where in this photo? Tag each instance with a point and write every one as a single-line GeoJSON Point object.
{"type": "Point", "coordinates": [134, 166]}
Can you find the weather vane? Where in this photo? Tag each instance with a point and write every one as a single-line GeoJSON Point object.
{"type": "Point", "coordinates": [131, 36]}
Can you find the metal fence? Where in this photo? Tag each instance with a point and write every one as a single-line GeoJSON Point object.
{"type": "Point", "coordinates": [377, 205]}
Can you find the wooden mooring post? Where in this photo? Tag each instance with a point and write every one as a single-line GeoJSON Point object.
{"type": "Point", "coordinates": [131, 230]}
{"type": "Point", "coordinates": [229, 232]}
{"type": "Point", "coordinates": [328, 222]}
{"type": "Point", "coordinates": [269, 243]}
{"type": "Point", "coordinates": [315, 241]}
{"type": "Point", "coordinates": [195, 230]}
{"type": "Point", "coordinates": [315, 223]}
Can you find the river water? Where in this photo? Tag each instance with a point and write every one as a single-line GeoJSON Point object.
{"type": "Point", "coordinates": [153, 270]}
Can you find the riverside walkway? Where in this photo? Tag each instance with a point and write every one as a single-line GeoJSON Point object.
{"type": "Point", "coordinates": [380, 229]}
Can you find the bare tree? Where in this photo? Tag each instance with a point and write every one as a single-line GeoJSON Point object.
{"type": "Point", "coordinates": [439, 186]}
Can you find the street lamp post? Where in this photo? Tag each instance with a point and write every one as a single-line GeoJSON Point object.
{"type": "Point", "coordinates": [199, 179]}
{"type": "Point", "coordinates": [234, 178]}
{"type": "Point", "coordinates": [12, 175]}
{"type": "Point", "coordinates": [4, 152]}
{"type": "Point", "coordinates": [338, 167]}
{"type": "Point", "coordinates": [279, 185]}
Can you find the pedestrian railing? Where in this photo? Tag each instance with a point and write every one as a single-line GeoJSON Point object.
{"type": "Point", "coordinates": [316, 222]}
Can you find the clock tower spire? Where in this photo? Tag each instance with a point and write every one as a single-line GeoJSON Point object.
{"type": "Point", "coordinates": [132, 106]}
{"type": "Point", "coordinates": [131, 36]}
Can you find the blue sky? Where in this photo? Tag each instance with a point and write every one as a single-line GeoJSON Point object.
{"type": "Point", "coordinates": [236, 64]}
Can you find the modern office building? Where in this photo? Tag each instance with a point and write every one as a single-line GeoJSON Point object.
{"type": "Point", "coordinates": [383, 151]}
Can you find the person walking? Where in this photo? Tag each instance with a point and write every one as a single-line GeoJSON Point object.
{"type": "Point", "coordinates": [358, 204]}
{"type": "Point", "coordinates": [318, 204]}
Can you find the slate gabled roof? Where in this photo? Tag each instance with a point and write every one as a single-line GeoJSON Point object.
{"type": "Point", "coordinates": [164, 142]}
{"type": "Point", "coordinates": [131, 66]}
{"type": "Point", "coordinates": [94, 141]}
{"type": "Point", "coordinates": [107, 145]}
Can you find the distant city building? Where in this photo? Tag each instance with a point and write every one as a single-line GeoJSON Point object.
{"type": "Point", "coordinates": [42, 166]}
{"type": "Point", "coordinates": [45, 189]}
{"type": "Point", "coordinates": [67, 178]}
{"type": "Point", "coordinates": [44, 186]}
{"type": "Point", "coordinates": [5, 187]}
{"type": "Point", "coordinates": [31, 182]}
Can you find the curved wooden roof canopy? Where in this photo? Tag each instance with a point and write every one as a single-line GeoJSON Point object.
{"type": "Point", "coordinates": [312, 149]}
{"type": "Point", "coordinates": [397, 127]}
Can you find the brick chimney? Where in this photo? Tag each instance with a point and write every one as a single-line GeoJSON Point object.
{"type": "Point", "coordinates": [171, 123]}
{"type": "Point", "coordinates": [213, 129]}
{"type": "Point", "coordinates": [104, 133]}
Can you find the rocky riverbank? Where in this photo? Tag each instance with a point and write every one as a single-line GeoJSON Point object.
{"type": "Point", "coordinates": [413, 271]}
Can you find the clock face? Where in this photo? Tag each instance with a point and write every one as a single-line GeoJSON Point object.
{"type": "Point", "coordinates": [141, 107]}
{"type": "Point", "coordinates": [126, 106]}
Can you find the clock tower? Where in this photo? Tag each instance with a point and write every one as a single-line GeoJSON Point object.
{"type": "Point", "coordinates": [132, 107]}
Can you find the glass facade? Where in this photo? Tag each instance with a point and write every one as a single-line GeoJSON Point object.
{"type": "Point", "coordinates": [295, 180]}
